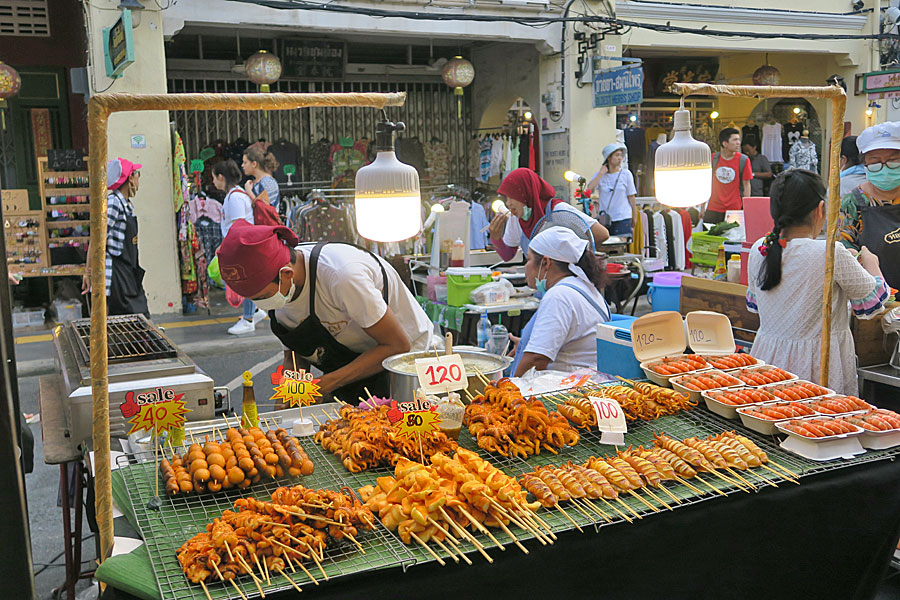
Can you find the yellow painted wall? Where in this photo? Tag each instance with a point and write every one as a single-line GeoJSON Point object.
{"type": "Point", "coordinates": [153, 203]}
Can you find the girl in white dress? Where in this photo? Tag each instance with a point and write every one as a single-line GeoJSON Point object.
{"type": "Point", "coordinates": [787, 271]}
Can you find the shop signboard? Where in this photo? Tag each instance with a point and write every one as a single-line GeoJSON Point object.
{"type": "Point", "coordinates": [880, 84]}
{"type": "Point", "coordinates": [118, 45]}
{"type": "Point", "coordinates": [619, 86]}
{"type": "Point", "coordinates": [313, 59]}
{"type": "Point", "coordinates": [555, 159]}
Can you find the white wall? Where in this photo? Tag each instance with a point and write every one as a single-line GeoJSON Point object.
{"type": "Point", "coordinates": [153, 203]}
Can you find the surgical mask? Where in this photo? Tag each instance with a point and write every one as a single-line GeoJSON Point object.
{"type": "Point", "coordinates": [526, 213]}
{"type": "Point", "coordinates": [278, 300]}
{"type": "Point", "coordinates": [540, 286]}
{"type": "Point", "coordinates": [886, 179]}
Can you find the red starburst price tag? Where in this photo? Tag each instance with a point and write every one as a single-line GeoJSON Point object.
{"type": "Point", "coordinates": [414, 418]}
{"type": "Point", "coordinates": [296, 388]}
{"type": "Point", "coordinates": [156, 411]}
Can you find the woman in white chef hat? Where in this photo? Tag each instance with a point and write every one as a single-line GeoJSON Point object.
{"type": "Point", "coordinates": [568, 278]}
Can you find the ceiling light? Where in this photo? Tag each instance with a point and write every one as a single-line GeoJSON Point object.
{"type": "Point", "coordinates": [683, 173]}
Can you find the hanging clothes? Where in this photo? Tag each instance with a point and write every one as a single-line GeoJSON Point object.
{"type": "Point", "coordinates": [524, 149]}
{"type": "Point", "coordinates": [437, 160]}
{"type": "Point", "coordinates": [792, 133]}
{"type": "Point", "coordinates": [496, 156]}
{"type": "Point", "coordinates": [750, 131]}
{"type": "Point", "coordinates": [485, 158]}
{"type": "Point", "coordinates": [771, 142]}
{"type": "Point", "coordinates": [478, 220]}
{"type": "Point", "coordinates": [636, 144]}
{"type": "Point", "coordinates": [660, 236]}
{"type": "Point", "coordinates": [319, 161]}
{"type": "Point", "coordinates": [534, 151]}
{"type": "Point", "coordinates": [804, 156]}
{"type": "Point", "coordinates": [474, 152]}
{"type": "Point", "coordinates": [345, 163]}
{"type": "Point", "coordinates": [201, 206]}
{"type": "Point", "coordinates": [286, 153]}
{"type": "Point", "coordinates": [411, 152]}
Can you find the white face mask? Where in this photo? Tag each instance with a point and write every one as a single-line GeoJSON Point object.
{"type": "Point", "coordinates": [276, 301]}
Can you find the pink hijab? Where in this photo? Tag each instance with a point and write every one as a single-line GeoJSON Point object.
{"type": "Point", "coordinates": [527, 187]}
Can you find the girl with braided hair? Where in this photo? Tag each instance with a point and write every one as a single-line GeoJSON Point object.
{"type": "Point", "coordinates": [786, 270]}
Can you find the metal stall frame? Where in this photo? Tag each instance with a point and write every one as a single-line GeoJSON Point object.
{"type": "Point", "coordinates": [838, 106]}
{"type": "Point", "coordinates": [100, 107]}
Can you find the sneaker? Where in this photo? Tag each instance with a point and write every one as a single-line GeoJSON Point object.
{"type": "Point", "coordinates": [259, 315]}
{"type": "Point", "coordinates": [242, 327]}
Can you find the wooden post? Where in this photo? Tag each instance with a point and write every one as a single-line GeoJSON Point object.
{"type": "Point", "coordinates": [100, 106]}
{"type": "Point", "coordinates": [838, 106]}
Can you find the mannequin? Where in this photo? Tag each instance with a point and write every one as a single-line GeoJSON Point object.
{"type": "Point", "coordinates": [803, 153]}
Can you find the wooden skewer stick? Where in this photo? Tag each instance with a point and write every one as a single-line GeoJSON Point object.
{"type": "Point", "coordinates": [729, 480]}
{"type": "Point", "coordinates": [219, 573]}
{"type": "Point", "coordinates": [368, 393]}
{"type": "Point", "coordinates": [228, 548]}
{"type": "Point", "coordinates": [709, 485]}
{"type": "Point", "coordinates": [481, 376]}
{"type": "Point", "coordinates": [581, 509]}
{"type": "Point", "coordinates": [669, 494]}
{"type": "Point", "coordinates": [466, 536]}
{"type": "Point", "coordinates": [539, 520]}
{"type": "Point", "coordinates": [462, 554]}
{"type": "Point", "coordinates": [616, 508]}
{"type": "Point", "coordinates": [355, 541]}
{"type": "Point", "coordinates": [688, 484]}
{"type": "Point", "coordinates": [444, 547]}
{"type": "Point", "coordinates": [537, 523]}
{"type": "Point", "coordinates": [596, 509]}
{"type": "Point", "coordinates": [265, 570]}
{"type": "Point", "coordinates": [318, 564]}
{"type": "Point", "coordinates": [443, 530]}
{"type": "Point", "coordinates": [427, 547]}
{"type": "Point", "coordinates": [783, 473]}
{"type": "Point", "coordinates": [299, 562]}
{"type": "Point", "coordinates": [287, 559]}
{"type": "Point", "coordinates": [292, 582]}
{"type": "Point", "coordinates": [765, 479]}
{"type": "Point", "coordinates": [258, 566]}
{"type": "Point", "coordinates": [655, 497]}
{"type": "Point", "coordinates": [560, 509]}
{"type": "Point", "coordinates": [511, 535]}
{"type": "Point", "coordinates": [481, 528]}
{"type": "Point", "coordinates": [641, 498]}
{"type": "Point", "coordinates": [783, 468]}
{"type": "Point", "coordinates": [738, 475]}
{"type": "Point", "coordinates": [631, 510]}
{"type": "Point", "coordinates": [205, 590]}
{"type": "Point", "coordinates": [250, 572]}
{"type": "Point", "coordinates": [517, 521]}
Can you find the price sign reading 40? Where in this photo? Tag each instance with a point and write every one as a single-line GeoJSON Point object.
{"type": "Point", "coordinates": [441, 374]}
{"type": "Point", "coordinates": [411, 419]}
{"type": "Point", "coordinates": [157, 411]}
{"type": "Point", "coordinates": [295, 387]}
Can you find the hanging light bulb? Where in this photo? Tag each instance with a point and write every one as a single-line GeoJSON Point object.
{"type": "Point", "coordinates": [527, 115]}
{"type": "Point", "coordinates": [387, 192]}
{"type": "Point", "coordinates": [683, 174]}
{"type": "Point", "coordinates": [714, 115]}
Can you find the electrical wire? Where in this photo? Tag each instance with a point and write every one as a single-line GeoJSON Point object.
{"type": "Point", "coordinates": [543, 21]}
{"type": "Point", "coordinates": [53, 563]}
{"type": "Point", "coordinates": [779, 10]}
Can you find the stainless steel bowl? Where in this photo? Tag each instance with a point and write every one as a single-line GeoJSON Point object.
{"type": "Point", "coordinates": [403, 372]}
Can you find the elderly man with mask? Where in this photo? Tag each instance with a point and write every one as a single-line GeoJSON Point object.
{"type": "Point", "coordinates": [569, 280]}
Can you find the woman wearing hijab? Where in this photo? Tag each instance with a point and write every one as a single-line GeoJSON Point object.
{"type": "Point", "coordinates": [529, 198]}
{"type": "Point", "coordinates": [562, 333]}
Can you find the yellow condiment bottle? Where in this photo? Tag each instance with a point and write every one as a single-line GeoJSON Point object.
{"type": "Point", "coordinates": [249, 416]}
{"type": "Point", "coordinates": [177, 434]}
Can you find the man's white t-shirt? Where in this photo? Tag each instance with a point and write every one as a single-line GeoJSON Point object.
{"type": "Point", "coordinates": [515, 238]}
{"type": "Point", "coordinates": [613, 191]}
{"type": "Point", "coordinates": [237, 205]}
{"type": "Point", "coordinates": [349, 299]}
{"type": "Point", "coordinates": [566, 326]}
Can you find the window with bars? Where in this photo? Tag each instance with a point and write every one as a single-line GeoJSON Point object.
{"type": "Point", "coordinates": [24, 18]}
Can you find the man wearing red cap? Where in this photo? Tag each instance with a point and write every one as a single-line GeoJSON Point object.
{"type": "Point", "coordinates": [332, 305]}
{"type": "Point", "coordinates": [124, 276]}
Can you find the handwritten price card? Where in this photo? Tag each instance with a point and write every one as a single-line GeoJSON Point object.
{"type": "Point", "coordinates": [414, 418]}
{"type": "Point", "coordinates": [610, 420]}
{"type": "Point", "coordinates": [295, 388]}
{"type": "Point", "coordinates": [156, 411]}
{"type": "Point", "coordinates": [441, 374]}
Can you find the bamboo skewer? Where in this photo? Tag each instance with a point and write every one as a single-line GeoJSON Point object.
{"type": "Point", "coordinates": [692, 487]}
{"type": "Point", "coordinates": [765, 479]}
{"type": "Point", "coordinates": [535, 516]}
{"type": "Point", "coordinates": [641, 498]}
{"type": "Point", "coordinates": [205, 590]}
{"type": "Point", "coordinates": [581, 509]}
{"type": "Point", "coordinates": [785, 469]}
{"type": "Point", "coordinates": [655, 497]}
{"type": "Point", "coordinates": [738, 475]}
{"type": "Point", "coordinates": [519, 522]}
{"type": "Point", "coordinates": [511, 535]}
{"type": "Point", "coordinates": [315, 419]}
{"type": "Point", "coordinates": [318, 564]}
{"type": "Point", "coordinates": [228, 548]}
{"type": "Point", "coordinates": [466, 536]}
{"type": "Point", "coordinates": [292, 582]}
{"type": "Point", "coordinates": [631, 510]}
{"type": "Point", "coordinates": [566, 515]}
{"type": "Point", "coordinates": [287, 559]}
{"type": "Point", "coordinates": [444, 547]}
{"type": "Point", "coordinates": [355, 541]}
{"type": "Point", "coordinates": [427, 547]}
{"type": "Point", "coordinates": [265, 568]}
{"type": "Point", "coordinates": [728, 480]}
{"type": "Point", "coordinates": [669, 494]}
{"type": "Point", "coordinates": [250, 572]}
{"type": "Point", "coordinates": [709, 485]}
{"type": "Point", "coordinates": [596, 510]}
{"type": "Point", "coordinates": [222, 577]}
{"type": "Point", "coordinates": [480, 527]}
{"type": "Point", "coordinates": [780, 474]}
{"type": "Point", "coordinates": [616, 508]}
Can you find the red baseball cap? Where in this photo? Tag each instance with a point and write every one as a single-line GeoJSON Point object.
{"type": "Point", "coordinates": [117, 171]}
{"type": "Point", "coordinates": [251, 255]}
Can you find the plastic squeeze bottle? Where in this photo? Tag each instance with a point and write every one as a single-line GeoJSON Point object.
{"type": "Point", "coordinates": [458, 253]}
{"type": "Point", "coordinates": [249, 416]}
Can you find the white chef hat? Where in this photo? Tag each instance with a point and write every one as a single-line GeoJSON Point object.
{"type": "Point", "coordinates": [561, 243]}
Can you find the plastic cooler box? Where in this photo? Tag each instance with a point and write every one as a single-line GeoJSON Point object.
{"type": "Point", "coordinates": [705, 248]}
{"type": "Point", "coordinates": [661, 334]}
{"type": "Point", "coordinates": [615, 355]}
{"type": "Point", "coordinates": [462, 280]}
{"type": "Point", "coordinates": [664, 292]}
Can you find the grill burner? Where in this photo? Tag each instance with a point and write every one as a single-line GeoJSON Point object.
{"type": "Point", "coordinates": [130, 338]}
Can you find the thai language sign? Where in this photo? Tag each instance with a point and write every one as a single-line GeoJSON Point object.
{"type": "Point", "coordinates": [619, 86]}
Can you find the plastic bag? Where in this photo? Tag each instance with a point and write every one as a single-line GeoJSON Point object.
{"type": "Point", "coordinates": [495, 292]}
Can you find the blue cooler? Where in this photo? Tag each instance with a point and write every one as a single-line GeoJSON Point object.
{"type": "Point", "coordinates": [615, 354]}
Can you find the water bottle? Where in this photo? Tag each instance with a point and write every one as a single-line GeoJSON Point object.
{"type": "Point", "coordinates": [484, 330]}
{"type": "Point", "coordinates": [498, 341]}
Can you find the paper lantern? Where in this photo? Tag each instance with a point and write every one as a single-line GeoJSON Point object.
{"type": "Point", "coordinates": [388, 199]}
{"type": "Point", "coordinates": [263, 69]}
{"type": "Point", "coordinates": [10, 82]}
{"type": "Point", "coordinates": [458, 73]}
{"type": "Point", "coordinates": [683, 172]}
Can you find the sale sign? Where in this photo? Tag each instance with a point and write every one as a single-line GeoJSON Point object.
{"type": "Point", "coordinates": [156, 411]}
{"type": "Point", "coordinates": [295, 388]}
{"type": "Point", "coordinates": [441, 374]}
{"type": "Point", "coordinates": [610, 420]}
{"type": "Point", "coordinates": [414, 418]}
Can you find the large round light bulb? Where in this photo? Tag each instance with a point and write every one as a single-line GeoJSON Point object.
{"type": "Point", "coordinates": [499, 206]}
{"type": "Point", "coordinates": [388, 199]}
{"type": "Point", "coordinates": [683, 174]}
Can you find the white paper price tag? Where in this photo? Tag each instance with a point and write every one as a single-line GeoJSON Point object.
{"type": "Point", "coordinates": [441, 374]}
{"type": "Point", "coordinates": [610, 420]}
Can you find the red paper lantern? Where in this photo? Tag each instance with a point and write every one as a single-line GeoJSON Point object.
{"type": "Point", "coordinates": [10, 81]}
{"type": "Point", "coordinates": [458, 73]}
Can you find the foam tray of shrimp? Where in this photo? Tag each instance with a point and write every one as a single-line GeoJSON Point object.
{"type": "Point", "coordinates": [881, 428]}
{"type": "Point", "coordinates": [821, 438]}
{"type": "Point", "coordinates": [660, 370]}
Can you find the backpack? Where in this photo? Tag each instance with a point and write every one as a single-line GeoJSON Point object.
{"type": "Point", "coordinates": [263, 212]}
{"type": "Point", "coordinates": [742, 163]}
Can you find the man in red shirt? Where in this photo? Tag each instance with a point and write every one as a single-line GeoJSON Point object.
{"type": "Point", "coordinates": [728, 188]}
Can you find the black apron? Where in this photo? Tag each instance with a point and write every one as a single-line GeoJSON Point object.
{"type": "Point", "coordinates": [880, 233]}
{"type": "Point", "coordinates": [312, 341]}
{"type": "Point", "coordinates": [126, 290]}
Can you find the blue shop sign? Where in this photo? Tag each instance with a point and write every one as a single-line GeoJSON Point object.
{"type": "Point", "coordinates": [619, 86]}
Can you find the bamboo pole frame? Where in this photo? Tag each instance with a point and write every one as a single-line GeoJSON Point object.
{"type": "Point", "coordinates": [838, 107]}
{"type": "Point", "coordinates": [100, 107]}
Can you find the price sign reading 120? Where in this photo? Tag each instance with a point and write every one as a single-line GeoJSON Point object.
{"type": "Point", "coordinates": [441, 374]}
{"type": "Point", "coordinates": [646, 339]}
{"type": "Point", "coordinates": [698, 335]}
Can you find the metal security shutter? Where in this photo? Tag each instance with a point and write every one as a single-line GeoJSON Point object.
{"type": "Point", "coordinates": [430, 112]}
{"type": "Point", "coordinates": [24, 18]}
